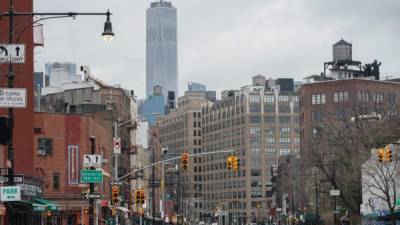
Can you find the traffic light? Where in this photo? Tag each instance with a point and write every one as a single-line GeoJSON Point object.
{"type": "Point", "coordinates": [381, 154]}
{"type": "Point", "coordinates": [137, 196]}
{"type": "Point", "coordinates": [229, 162]}
{"type": "Point", "coordinates": [4, 130]}
{"type": "Point", "coordinates": [388, 153]}
{"type": "Point", "coordinates": [185, 160]}
{"type": "Point", "coordinates": [142, 196]}
{"type": "Point", "coordinates": [115, 194]}
{"type": "Point", "coordinates": [236, 163]}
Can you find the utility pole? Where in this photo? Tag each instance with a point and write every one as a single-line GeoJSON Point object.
{"type": "Point", "coordinates": [91, 185]}
{"type": "Point", "coordinates": [316, 196]}
{"type": "Point", "coordinates": [153, 188]}
{"type": "Point", "coordinates": [334, 197]}
{"type": "Point", "coordinates": [115, 164]}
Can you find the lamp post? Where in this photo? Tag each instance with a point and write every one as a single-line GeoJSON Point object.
{"type": "Point", "coordinates": [107, 35]}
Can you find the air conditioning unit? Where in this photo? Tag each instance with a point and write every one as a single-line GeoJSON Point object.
{"type": "Point", "coordinates": [104, 161]}
{"type": "Point", "coordinates": [41, 152]}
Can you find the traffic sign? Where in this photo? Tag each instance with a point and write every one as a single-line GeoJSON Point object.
{"type": "Point", "coordinates": [92, 160]}
{"type": "Point", "coordinates": [12, 97]}
{"type": "Point", "coordinates": [12, 53]}
{"type": "Point", "coordinates": [91, 176]}
{"type": "Point", "coordinates": [335, 192]}
{"type": "Point", "coordinates": [398, 202]}
{"type": "Point", "coordinates": [18, 179]}
{"type": "Point", "coordinates": [117, 145]}
{"type": "Point", "coordinates": [4, 171]}
{"type": "Point", "coordinates": [10, 193]}
{"type": "Point", "coordinates": [92, 195]}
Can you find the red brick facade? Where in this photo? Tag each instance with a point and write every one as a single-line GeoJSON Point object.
{"type": "Point", "coordinates": [67, 130]}
{"type": "Point", "coordinates": [23, 118]}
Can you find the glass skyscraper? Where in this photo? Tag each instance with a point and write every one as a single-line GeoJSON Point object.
{"type": "Point", "coordinates": [161, 48]}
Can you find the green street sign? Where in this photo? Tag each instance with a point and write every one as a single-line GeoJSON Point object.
{"type": "Point", "coordinates": [91, 176]}
{"type": "Point", "coordinates": [398, 202]}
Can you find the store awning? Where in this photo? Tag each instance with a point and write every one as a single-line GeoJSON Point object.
{"type": "Point", "coordinates": [36, 207]}
{"type": "Point", "coordinates": [52, 206]}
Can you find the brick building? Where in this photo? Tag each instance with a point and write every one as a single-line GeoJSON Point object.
{"type": "Point", "coordinates": [61, 140]}
{"type": "Point", "coordinates": [340, 121]}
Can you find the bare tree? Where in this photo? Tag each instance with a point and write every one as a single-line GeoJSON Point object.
{"type": "Point", "coordinates": [342, 141]}
{"type": "Point", "coordinates": [380, 180]}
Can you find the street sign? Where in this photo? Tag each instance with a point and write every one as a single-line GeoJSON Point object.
{"type": "Point", "coordinates": [92, 196]}
{"type": "Point", "coordinates": [91, 176]}
{"type": "Point", "coordinates": [117, 145]}
{"type": "Point", "coordinates": [12, 53]}
{"type": "Point", "coordinates": [92, 161]}
{"type": "Point", "coordinates": [4, 171]}
{"type": "Point", "coordinates": [12, 97]}
{"type": "Point", "coordinates": [335, 192]}
{"type": "Point", "coordinates": [398, 202]}
{"type": "Point", "coordinates": [10, 193]}
{"type": "Point", "coordinates": [18, 179]}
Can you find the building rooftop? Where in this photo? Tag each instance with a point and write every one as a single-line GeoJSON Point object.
{"type": "Point", "coordinates": [342, 42]}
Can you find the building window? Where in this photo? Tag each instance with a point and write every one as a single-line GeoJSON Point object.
{"type": "Point", "coordinates": [283, 98]}
{"type": "Point", "coordinates": [269, 98]}
{"type": "Point", "coordinates": [269, 119]}
{"type": "Point", "coordinates": [56, 180]}
{"type": "Point", "coordinates": [255, 172]}
{"type": "Point", "coordinates": [284, 109]}
{"type": "Point", "coordinates": [270, 140]}
{"type": "Point", "coordinates": [363, 96]}
{"type": "Point", "coordinates": [269, 108]}
{"type": "Point", "coordinates": [377, 97]}
{"type": "Point", "coordinates": [284, 119]}
{"type": "Point", "coordinates": [297, 141]}
{"type": "Point", "coordinates": [342, 96]}
{"type": "Point", "coordinates": [45, 146]}
{"type": "Point", "coordinates": [254, 98]}
{"type": "Point", "coordinates": [284, 140]}
{"type": "Point", "coordinates": [255, 119]}
{"type": "Point", "coordinates": [270, 131]}
{"type": "Point", "coordinates": [285, 131]}
{"type": "Point", "coordinates": [317, 116]}
{"type": "Point", "coordinates": [317, 131]}
{"type": "Point", "coordinates": [255, 130]}
{"type": "Point", "coordinates": [255, 108]}
{"type": "Point", "coordinates": [284, 151]}
{"type": "Point", "coordinates": [318, 99]}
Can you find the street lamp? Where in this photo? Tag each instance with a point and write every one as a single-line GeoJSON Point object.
{"type": "Point", "coordinates": [108, 34]}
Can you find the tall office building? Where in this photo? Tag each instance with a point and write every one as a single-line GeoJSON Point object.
{"type": "Point", "coordinates": [161, 48]}
{"type": "Point", "coordinates": [261, 125]}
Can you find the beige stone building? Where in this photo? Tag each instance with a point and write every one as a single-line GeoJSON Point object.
{"type": "Point", "coordinates": [260, 123]}
{"type": "Point", "coordinates": [181, 131]}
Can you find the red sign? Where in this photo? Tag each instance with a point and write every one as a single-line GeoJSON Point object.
{"type": "Point", "coordinates": [73, 167]}
{"type": "Point", "coordinates": [117, 145]}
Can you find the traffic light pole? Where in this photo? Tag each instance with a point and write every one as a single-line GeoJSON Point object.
{"type": "Point", "coordinates": [116, 164]}
{"type": "Point", "coordinates": [168, 160]}
{"type": "Point", "coordinates": [91, 185]}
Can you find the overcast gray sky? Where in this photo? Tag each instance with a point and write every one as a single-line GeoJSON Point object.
{"type": "Point", "coordinates": [224, 43]}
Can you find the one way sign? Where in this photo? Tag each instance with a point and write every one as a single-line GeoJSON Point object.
{"type": "Point", "coordinates": [92, 160]}
{"type": "Point", "coordinates": [12, 53]}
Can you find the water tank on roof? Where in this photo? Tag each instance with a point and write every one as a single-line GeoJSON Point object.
{"type": "Point", "coordinates": [342, 50]}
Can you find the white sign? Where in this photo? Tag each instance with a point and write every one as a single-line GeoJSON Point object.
{"type": "Point", "coordinates": [12, 98]}
{"type": "Point", "coordinates": [12, 53]}
{"type": "Point", "coordinates": [92, 160]}
{"type": "Point", "coordinates": [117, 145]}
{"type": "Point", "coordinates": [10, 193]}
{"type": "Point", "coordinates": [335, 192]}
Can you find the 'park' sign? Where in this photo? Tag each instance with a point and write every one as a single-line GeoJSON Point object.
{"type": "Point", "coordinates": [10, 193]}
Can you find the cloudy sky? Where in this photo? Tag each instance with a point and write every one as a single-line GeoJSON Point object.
{"type": "Point", "coordinates": [224, 43]}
